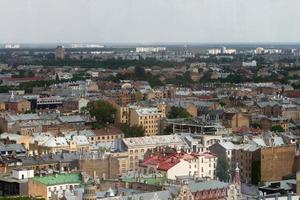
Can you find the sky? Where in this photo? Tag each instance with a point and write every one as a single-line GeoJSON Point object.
{"type": "Point", "coordinates": [149, 21]}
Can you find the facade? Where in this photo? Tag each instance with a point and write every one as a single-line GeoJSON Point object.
{"type": "Point", "coordinates": [125, 97]}
{"type": "Point", "coordinates": [16, 183]}
{"type": "Point", "coordinates": [47, 144]}
{"type": "Point", "coordinates": [274, 163]}
{"type": "Point", "coordinates": [51, 102]}
{"type": "Point", "coordinates": [292, 113]}
{"type": "Point", "coordinates": [149, 118]}
{"type": "Point", "coordinates": [267, 123]}
{"type": "Point", "coordinates": [207, 190]}
{"type": "Point", "coordinates": [105, 135]}
{"type": "Point", "coordinates": [137, 147]}
{"type": "Point", "coordinates": [270, 109]}
{"type": "Point", "coordinates": [102, 167]}
{"type": "Point", "coordinates": [18, 106]}
{"type": "Point", "coordinates": [74, 105]}
{"type": "Point", "coordinates": [235, 120]}
{"type": "Point", "coordinates": [122, 114]}
{"type": "Point", "coordinates": [180, 164]}
{"type": "Point", "coordinates": [45, 186]}
{"type": "Point", "coordinates": [59, 53]}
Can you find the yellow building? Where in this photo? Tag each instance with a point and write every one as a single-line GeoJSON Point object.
{"type": "Point", "coordinates": [106, 135]}
{"type": "Point", "coordinates": [19, 106]}
{"type": "Point", "coordinates": [122, 114]}
{"type": "Point", "coordinates": [149, 118]}
{"type": "Point", "coordinates": [2, 106]}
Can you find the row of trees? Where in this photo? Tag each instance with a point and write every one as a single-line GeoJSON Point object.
{"type": "Point", "coordinates": [109, 63]}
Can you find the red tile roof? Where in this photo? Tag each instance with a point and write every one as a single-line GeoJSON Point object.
{"type": "Point", "coordinates": [164, 163]}
{"type": "Point", "coordinates": [108, 131]}
{"type": "Point", "coordinates": [293, 94]}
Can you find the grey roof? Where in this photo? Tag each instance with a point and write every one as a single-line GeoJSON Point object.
{"type": "Point", "coordinates": [18, 148]}
{"type": "Point", "coordinates": [284, 184]}
{"type": "Point", "coordinates": [71, 119]}
{"type": "Point", "coordinates": [206, 185]}
{"type": "Point", "coordinates": [22, 117]}
{"type": "Point", "coordinates": [59, 157]}
{"type": "Point", "coordinates": [200, 186]}
{"type": "Point", "coordinates": [267, 103]}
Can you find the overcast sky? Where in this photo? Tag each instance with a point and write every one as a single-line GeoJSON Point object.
{"type": "Point", "coordinates": [148, 21]}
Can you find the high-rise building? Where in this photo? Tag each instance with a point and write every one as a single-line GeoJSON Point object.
{"type": "Point", "coordinates": [59, 53]}
{"type": "Point", "coordinates": [223, 50]}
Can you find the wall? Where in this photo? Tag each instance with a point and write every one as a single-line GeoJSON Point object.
{"type": "Point", "coordinates": [108, 167]}
{"type": "Point", "coordinates": [37, 189]}
{"type": "Point", "coordinates": [277, 162]}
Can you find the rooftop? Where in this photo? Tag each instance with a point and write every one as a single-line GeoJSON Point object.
{"type": "Point", "coordinates": [147, 111]}
{"type": "Point", "coordinates": [153, 140]}
{"type": "Point", "coordinates": [58, 179]}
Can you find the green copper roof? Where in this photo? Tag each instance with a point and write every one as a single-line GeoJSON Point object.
{"type": "Point", "coordinates": [58, 179]}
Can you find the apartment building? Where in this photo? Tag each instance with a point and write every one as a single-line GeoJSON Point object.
{"type": "Point", "coordinates": [105, 135]}
{"type": "Point", "coordinates": [149, 118]}
{"type": "Point", "coordinates": [45, 186]}
{"type": "Point", "coordinates": [137, 147]}
{"type": "Point", "coordinates": [180, 164]}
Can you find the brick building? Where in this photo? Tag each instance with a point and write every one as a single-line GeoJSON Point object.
{"type": "Point", "coordinates": [235, 120]}
{"type": "Point", "coordinates": [109, 166]}
{"type": "Point", "coordinates": [270, 108]}
{"type": "Point", "coordinates": [273, 163]}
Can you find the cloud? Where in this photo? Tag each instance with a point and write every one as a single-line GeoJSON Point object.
{"type": "Point", "coordinates": [201, 21]}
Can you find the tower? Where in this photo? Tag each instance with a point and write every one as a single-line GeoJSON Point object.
{"type": "Point", "coordinates": [237, 180]}
{"type": "Point", "coordinates": [59, 53]}
{"type": "Point", "coordinates": [12, 96]}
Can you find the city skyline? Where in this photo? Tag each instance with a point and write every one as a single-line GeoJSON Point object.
{"type": "Point", "coordinates": [148, 22]}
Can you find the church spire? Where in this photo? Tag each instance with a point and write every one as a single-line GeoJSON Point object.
{"type": "Point", "coordinates": [237, 177]}
{"type": "Point", "coordinates": [237, 180]}
{"type": "Point", "coordinates": [12, 96]}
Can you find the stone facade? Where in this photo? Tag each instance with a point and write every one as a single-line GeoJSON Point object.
{"type": "Point", "coordinates": [103, 168]}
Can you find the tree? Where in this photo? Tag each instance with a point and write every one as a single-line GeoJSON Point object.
{"type": "Point", "coordinates": [139, 72]}
{"type": "Point", "coordinates": [133, 131]}
{"type": "Point", "coordinates": [103, 111]}
{"type": "Point", "coordinates": [277, 128]}
{"type": "Point", "coordinates": [223, 169]}
{"type": "Point", "coordinates": [168, 130]}
{"type": "Point", "coordinates": [255, 125]}
{"type": "Point", "coordinates": [178, 112]}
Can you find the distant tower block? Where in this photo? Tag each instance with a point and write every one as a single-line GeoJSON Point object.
{"type": "Point", "coordinates": [59, 53]}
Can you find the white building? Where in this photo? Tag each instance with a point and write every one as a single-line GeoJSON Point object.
{"type": "Point", "coordinates": [252, 63]}
{"type": "Point", "coordinates": [181, 164]}
{"type": "Point", "coordinates": [22, 174]}
{"type": "Point", "coordinates": [150, 49]}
